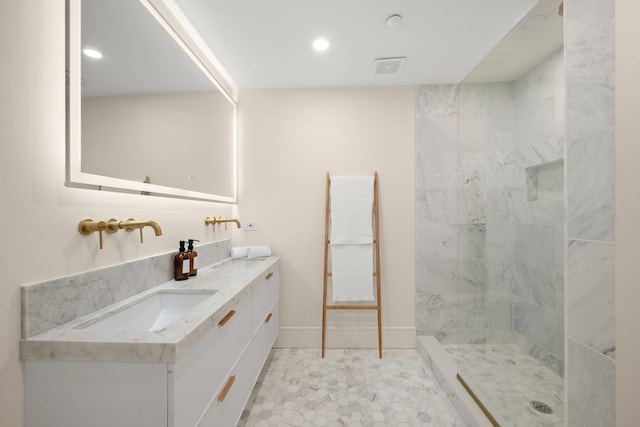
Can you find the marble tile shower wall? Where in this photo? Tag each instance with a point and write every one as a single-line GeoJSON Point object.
{"type": "Point", "coordinates": [465, 167]}
{"type": "Point", "coordinates": [480, 243]}
{"type": "Point", "coordinates": [436, 212]}
{"type": "Point", "coordinates": [589, 55]}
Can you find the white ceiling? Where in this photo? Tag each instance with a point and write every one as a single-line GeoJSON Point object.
{"type": "Point", "coordinates": [522, 48]}
{"type": "Point", "coordinates": [267, 44]}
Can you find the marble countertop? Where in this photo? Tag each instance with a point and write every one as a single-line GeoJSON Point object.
{"type": "Point", "coordinates": [231, 279]}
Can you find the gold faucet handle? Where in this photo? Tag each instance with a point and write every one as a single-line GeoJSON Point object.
{"type": "Point", "coordinates": [88, 226]}
{"type": "Point", "coordinates": [113, 225]}
{"type": "Point", "coordinates": [130, 229]}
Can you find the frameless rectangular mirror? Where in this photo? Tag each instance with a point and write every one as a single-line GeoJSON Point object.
{"type": "Point", "coordinates": [147, 110]}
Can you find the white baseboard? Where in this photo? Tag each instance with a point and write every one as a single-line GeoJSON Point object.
{"type": "Point", "coordinates": [346, 337]}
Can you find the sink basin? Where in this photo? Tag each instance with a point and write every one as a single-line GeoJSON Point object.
{"type": "Point", "coordinates": [153, 313]}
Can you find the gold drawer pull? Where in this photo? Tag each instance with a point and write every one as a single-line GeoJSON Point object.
{"type": "Point", "coordinates": [226, 318]}
{"type": "Point", "coordinates": [269, 276]}
{"type": "Point", "coordinates": [268, 318]}
{"type": "Point", "coordinates": [226, 388]}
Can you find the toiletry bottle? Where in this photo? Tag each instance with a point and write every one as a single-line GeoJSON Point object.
{"type": "Point", "coordinates": [192, 258]}
{"type": "Point", "coordinates": [181, 264]}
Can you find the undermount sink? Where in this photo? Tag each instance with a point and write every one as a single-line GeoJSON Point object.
{"type": "Point", "coordinates": [153, 313]}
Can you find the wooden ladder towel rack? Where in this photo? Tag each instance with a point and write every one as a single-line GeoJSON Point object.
{"type": "Point", "coordinates": [376, 273]}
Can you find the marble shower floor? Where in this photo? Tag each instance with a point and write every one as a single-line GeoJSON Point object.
{"type": "Point", "coordinates": [347, 388]}
{"type": "Point", "coordinates": [505, 378]}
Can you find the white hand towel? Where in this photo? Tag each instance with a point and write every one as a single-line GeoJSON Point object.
{"type": "Point", "coordinates": [258, 251]}
{"type": "Point", "coordinates": [351, 209]}
{"type": "Point", "coordinates": [250, 252]}
{"type": "Point", "coordinates": [352, 272]}
{"type": "Point", "coordinates": [239, 252]}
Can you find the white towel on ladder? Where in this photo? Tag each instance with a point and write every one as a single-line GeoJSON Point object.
{"type": "Point", "coordinates": [352, 272]}
{"type": "Point", "coordinates": [352, 238]}
{"type": "Point", "coordinates": [351, 210]}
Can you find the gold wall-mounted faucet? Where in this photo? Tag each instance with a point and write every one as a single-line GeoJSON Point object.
{"type": "Point", "coordinates": [88, 226]}
{"type": "Point", "coordinates": [221, 220]}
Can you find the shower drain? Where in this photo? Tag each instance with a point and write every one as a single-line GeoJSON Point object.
{"type": "Point", "coordinates": [541, 407]}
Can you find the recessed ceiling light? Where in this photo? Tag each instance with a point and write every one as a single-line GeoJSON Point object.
{"type": "Point", "coordinates": [533, 22]}
{"type": "Point", "coordinates": [92, 53]}
{"type": "Point", "coordinates": [393, 21]}
{"type": "Point", "coordinates": [321, 44]}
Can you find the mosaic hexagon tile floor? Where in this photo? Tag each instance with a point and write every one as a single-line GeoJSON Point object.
{"type": "Point", "coordinates": [348, 388]}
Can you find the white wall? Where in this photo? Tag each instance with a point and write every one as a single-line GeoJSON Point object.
{"type": "Point", "coordinates": [38, 214]}
{"type": "Point", "coordinates": [289, 140]}
{"type": "Point", "coordinates": [627, 212]}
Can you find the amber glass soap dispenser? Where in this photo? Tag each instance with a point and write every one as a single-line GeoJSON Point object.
{"type": "Point", "coordinates": [181, 264]}
{"type": "Point", "coordinates": [192, 258]}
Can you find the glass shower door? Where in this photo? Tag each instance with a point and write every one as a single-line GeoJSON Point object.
{"type": "Point", "coordinates": [510, 243]}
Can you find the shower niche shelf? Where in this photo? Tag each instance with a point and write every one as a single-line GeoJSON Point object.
{"type": "Point", "coordinates": [545, 181]}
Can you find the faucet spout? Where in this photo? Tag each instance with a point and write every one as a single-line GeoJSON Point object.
{"type": "Point", "coordinates": [130, 225]}
{"type": "Point", "coordinates": [156, 228]}
{"type": "Point", "coordinates": [114, 225]}
{"type": "Point", "coordinates": [221, 220]}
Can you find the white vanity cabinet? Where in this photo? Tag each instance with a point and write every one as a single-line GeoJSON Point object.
{"type": "Point", "coordinates": [208, 385]}
{"type": "Point", "coordinates": [202, 371]}
{"type": "Point", "coordinates": [227, 405]}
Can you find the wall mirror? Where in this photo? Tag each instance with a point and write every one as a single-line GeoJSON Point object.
{"type": "Point", "coordinates": [153, 114]}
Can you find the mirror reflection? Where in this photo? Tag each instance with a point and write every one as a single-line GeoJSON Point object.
{"type": "Point", "coordinates": [149, 112]}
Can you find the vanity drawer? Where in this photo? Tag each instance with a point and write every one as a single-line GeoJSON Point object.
{"type": "Point", "coordinates": [265, 294]}
{"type": "Point", "coordinates": [229, 401]}
{"type": "Point", "coordinates": [263, 340]}
{"type": "Point", "coordinates": [204, 368]}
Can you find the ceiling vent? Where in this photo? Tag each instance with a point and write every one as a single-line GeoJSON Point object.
{"type": "Point", "coordinates": [388, 66]}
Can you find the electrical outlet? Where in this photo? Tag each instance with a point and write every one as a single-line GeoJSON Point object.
{"type": "Point", "coordinates": [250, 226]}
